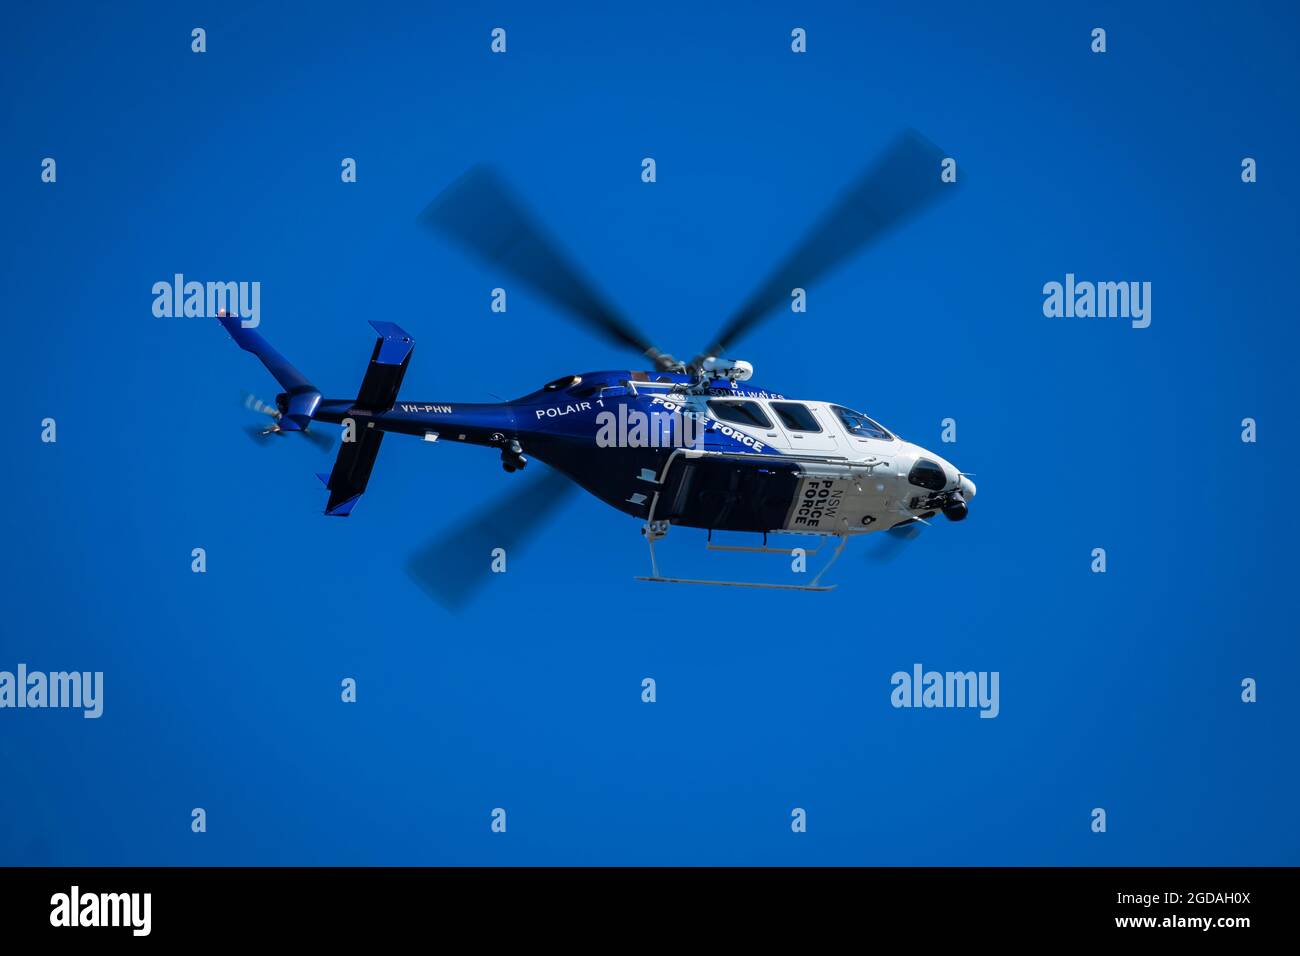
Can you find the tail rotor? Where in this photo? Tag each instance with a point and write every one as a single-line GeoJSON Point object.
{"type": "Point", "coordinates": [263, 434]}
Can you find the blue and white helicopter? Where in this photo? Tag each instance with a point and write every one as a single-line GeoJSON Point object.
{"type": "Point", "coordinates": [692, 443]}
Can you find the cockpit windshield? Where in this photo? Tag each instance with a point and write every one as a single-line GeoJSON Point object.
{"type": "Point", "coordinates": [860, 425]}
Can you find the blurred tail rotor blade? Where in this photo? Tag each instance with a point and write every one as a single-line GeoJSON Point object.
{"type": "Point", "coordinates": [901, 184]}
{"type": "Point", "coordinates": [259, 434]}
{"type": "Point", "coordinates": [456, 564]}
{"type": "Point", "coordinates": [253, 403]}
{"type": "Point", "coordinates": [480, 212]}
{"type": "Point", "coordinates": [322, 440]}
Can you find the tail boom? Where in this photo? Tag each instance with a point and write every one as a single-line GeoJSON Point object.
{"type": "Point", "coordinates": [301, 398]}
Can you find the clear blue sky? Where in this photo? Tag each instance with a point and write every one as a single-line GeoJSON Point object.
{"type": "Point", "coordinates": [222, 690]}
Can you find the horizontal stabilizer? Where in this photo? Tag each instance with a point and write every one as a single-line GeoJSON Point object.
{"type": "Point", "coordinates": [388, 362]}
{"type": "Point", "coordinates": [347, 482]}
{"type": "Point", "coordinates": [387, 367]}
{"type": "Point", "coordinates": [343, 508]}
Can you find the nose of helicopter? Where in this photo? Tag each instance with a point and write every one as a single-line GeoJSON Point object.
{"type": "Point", "coordinates": [954, 489]}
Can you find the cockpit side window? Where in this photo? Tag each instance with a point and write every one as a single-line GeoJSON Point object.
{"type": "Point", "coordinates": [796, 417]}
{"type": "Point", "coordinates": [741, 413]}
{"type": "Point", "coordinates": [860, 425]}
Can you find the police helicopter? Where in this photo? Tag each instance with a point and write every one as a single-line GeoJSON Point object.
{"type": "Point", "coordinates": [694, 443]}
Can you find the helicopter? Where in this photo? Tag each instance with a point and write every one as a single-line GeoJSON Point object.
{"type": "Point", "coordinates": [690, 443]}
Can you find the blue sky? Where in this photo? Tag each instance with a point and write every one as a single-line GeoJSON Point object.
{"type": "Point", "coordinates": [1119, 691]}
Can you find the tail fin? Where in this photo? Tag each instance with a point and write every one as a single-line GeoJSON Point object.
{"type": "Point", "coordinates": [301, 396]}
{"type": "Point", "coordinates": [388, 362]}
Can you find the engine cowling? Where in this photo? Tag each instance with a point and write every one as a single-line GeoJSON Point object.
{"type": "Point", "coordinates": [733, 369]}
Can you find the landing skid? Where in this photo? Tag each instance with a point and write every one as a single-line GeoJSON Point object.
{"type": "Point", "coordinates": [743, 584]}
{"type": "Point", "coordinates": [654, 530]}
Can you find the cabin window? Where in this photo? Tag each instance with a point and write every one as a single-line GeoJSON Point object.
{"type": "Point", "coordinates": [741, 413]}
{"type": "Point", "coordinates": [796, 417]}
{"type": "Point", "coordinates": [860, 425]}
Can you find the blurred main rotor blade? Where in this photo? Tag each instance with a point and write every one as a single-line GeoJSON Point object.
{"type": "Point", "coordinates": [904, 181]}
{"type": "Point", "coordinates": [888, 545]}
{"type": "Point", "coordinates": [455, 565]}
{"type": "Point", "coordinates": [482, 213]}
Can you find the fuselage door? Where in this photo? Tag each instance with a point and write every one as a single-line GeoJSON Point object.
{"type": "Point", "coordinates": [808, 428]}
